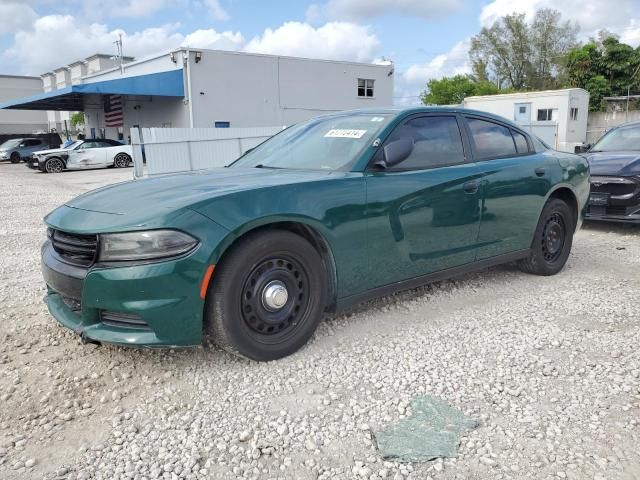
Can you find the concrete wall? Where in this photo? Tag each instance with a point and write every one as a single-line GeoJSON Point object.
{"type": "Point", "coordinates": [262, 90]}
{"type": "Point", "coordinates": [570, 132]}
{"type": "Point", "coordinates": [600, 122]}
{"type": "Point", "coordinates": [20, 121]}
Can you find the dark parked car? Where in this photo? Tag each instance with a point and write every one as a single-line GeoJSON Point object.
{"type": "Point", "coordinates": [325, 214]}
{"type": "Point", "coordinates": [615, 175]}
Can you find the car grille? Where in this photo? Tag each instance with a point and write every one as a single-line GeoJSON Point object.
{"type": "Point", "coordinates": [74, 248]}
{"type": "Point", "coordinates": [614, 186]}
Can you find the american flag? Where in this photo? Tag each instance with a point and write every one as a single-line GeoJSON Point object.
{"type": "Point", "coordinates": [113, 116]}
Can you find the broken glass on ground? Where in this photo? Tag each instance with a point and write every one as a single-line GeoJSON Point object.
{"type": "Point", "coordinates": [432, 431]}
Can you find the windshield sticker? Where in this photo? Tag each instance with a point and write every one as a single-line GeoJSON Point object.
{"type": "Point", "coordinates": [377, 119]}
{"type": "Point", "coordinates": [344, 133]}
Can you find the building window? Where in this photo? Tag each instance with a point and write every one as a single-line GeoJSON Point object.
{"type": "Point", "coordinates": [544, 114]}
{"type": "Point", "coordinates": [523, 109]}
{"type": "Point", "coordinates": [365, 87]}
{"type": "Point", "coordinates": [222, 124]}
{"type": "Point", "coordinates": [574, 113]}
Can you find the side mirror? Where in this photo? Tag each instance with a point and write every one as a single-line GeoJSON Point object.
{"type": "Point", "coordinates": [395, 152]}
{"type": "Point", "coordinates": [21, 145]}
{"type": "Point", "coordinates": [582, 148]}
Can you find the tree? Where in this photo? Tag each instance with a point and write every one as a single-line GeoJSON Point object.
{"type": "Point", "coordinates": [523, 56]}
{"type": "Point", "coordinates": [453, 90]}
{"type": "Point", "coordinates": [77, 119]}
{"type": "Point", "coordinates": [604, 67]}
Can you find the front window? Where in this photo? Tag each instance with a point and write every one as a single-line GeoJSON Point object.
{"type": "Point", "coordinates": [75, 145]}
{"type": "Point", "coordinates": [620, 139]}
{"type": "Point", "coordinates": [324, 143]}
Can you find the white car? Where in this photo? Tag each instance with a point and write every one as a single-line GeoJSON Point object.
{"type": "Point", "coordinates": [83, 154]}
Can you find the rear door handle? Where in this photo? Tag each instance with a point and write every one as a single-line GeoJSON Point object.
{"type": "Point", "coordinates": [471, 187]}
{"type": "Point", "coordinates": [540, 171]}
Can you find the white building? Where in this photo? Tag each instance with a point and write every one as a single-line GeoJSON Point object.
{"type": "Point", "coordinates": [210, 88]}
{"type": "Point", "coordinates": [557, 116]}
{"type": "Point", "coordinates": [20, 122]}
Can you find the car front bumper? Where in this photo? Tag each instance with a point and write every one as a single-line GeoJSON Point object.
{"type": "Point", "coordinates": [150, 305]}
{"type": "Point", "coordinates": [33, 162]}
{"type": "Point", "coordinates": [614, 199]}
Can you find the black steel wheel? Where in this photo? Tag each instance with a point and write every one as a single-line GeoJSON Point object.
{"type": "Point", "coordinates": [552, 240]}
{"type": "Point", "coordinates": [54, 165]}
{"type": "Point", "coordinates": [15, 157]}
{"type": "Point", "coordinates": [267, 295]}
{"type": "Point", "coordinates": [121, 160]}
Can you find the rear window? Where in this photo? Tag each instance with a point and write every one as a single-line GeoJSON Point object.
{"type": "Point", "coordinates": [491, 140]}
{"type": "Point", "coordinates": [521, 142]}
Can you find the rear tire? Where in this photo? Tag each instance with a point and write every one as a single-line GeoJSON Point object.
{"type": "Point", "coordinates": [267, 296]}
{"type": "Point", "coordinates": [552, 240]}
{"type": "Point", "coordinates": [15, 157]}
{"type": "Point", "coordinates": [121, 160]}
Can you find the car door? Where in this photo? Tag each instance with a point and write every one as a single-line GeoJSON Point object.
{"type": "Point", "coordinates": [515, 183]}
{"type": "Point", "coordinates": [90, 154]}
{"type": "Point", "coordinates": [423, 214]}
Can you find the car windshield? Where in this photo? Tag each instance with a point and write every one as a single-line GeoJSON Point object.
{"type": "Point", "coordinates": [75, 145]}
{"type": "Point", "coordinates": [324, 143]}
{"type": "Point", "coordinates": [624, 138]}
{"type": "Point", "coordinates": [11, 143]}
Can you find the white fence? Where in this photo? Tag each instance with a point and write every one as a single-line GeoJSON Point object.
{"type": "Point", "coordinates": [169, 150]}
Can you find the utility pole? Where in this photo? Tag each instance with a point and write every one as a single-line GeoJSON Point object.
{"type": "Point", "coordinates": [119, 52]}
{"type": "Point", "coordinates": [626, 116]}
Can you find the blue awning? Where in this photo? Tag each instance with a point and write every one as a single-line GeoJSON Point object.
{"type": "Point", "coordinates": [162, 84]}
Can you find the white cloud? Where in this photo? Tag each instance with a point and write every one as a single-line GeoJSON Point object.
{"type": "Point", "coordinates": [209, 38]}
{"type": "Point", "coordinates": [15, 16]}
{"type": "Point", "coordinates": [631, 34]}
{"type": "Point", "coordinates": [216, 10]}
{"type": "Point", "coordinates": [411, 83]}
{"type": "Point", "coordinates": [366, 9]}
{"type": "Point", "coordinates": [35, 52]}
{"type": "Point", "coordinates": [619, 17]}
{"type": "Point", "coordinates": [334, 40]}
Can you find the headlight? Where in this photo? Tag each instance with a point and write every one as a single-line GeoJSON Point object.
{"type": "Point", "coordinates": [4, 155]}
{"type": "Point", "coordinates": [148, 245]}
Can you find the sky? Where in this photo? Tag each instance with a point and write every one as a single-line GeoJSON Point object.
{"type": "Point", "coordinates": [424, 38]}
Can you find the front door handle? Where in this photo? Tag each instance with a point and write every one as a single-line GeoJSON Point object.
{"type": "Point", "coordinates": [471, 187]}
{"type": "Point", "coordinates": [540, 171]}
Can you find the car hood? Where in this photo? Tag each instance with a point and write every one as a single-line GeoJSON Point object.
{"type": "Point", "coordinates": [53, 150]}
{"type": "Point", "coordinates": [170, 192]}
{"type": "Point", "coordinates": [614, 163]}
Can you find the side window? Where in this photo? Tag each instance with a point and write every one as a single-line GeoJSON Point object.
{"type": "Point", "coordinates": [521, 142]}
{"type": "Point", "coordinates": [437, 142]}
{"type": "Point", "coordinates": [490, 139]}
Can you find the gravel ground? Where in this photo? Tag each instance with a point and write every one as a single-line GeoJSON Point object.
{"type": "Point", "coordinates": [549, 366]}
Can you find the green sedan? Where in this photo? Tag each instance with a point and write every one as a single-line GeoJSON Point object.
{"type": "Point", "coordinates": [324, 215]}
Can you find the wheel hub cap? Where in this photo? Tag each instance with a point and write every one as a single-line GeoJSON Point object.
{"type": "Point", "coordinates": [274, 295]}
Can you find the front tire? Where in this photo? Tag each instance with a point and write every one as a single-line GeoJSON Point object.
{"type": "Point", "coordinates": [552, 241]}
{"type": "Point", "coordinates": [54, 165]}
{"type": "Point", "coordinates": [267, 296]}
{"type": "Point", "coordinates": [15, 157]}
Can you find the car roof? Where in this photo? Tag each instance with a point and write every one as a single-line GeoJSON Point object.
{"type": "Point", "coordinates": [400, 111]}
